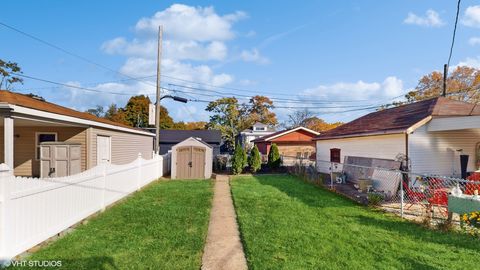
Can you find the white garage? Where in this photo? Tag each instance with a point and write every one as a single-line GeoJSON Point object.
{"type": "Point", "coordinates": [192, 159]}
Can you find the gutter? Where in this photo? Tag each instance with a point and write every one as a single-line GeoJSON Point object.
{"type": "Point", "coordinates": [420, 123]}
{"type": "Point", "coordinates": [71, 119]}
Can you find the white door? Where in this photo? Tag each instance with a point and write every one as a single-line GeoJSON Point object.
{"type": "Point", "coordinates": [104, 151]}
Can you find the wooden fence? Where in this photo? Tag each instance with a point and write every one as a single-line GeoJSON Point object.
{"type": "Point", "coordinates": [33, 209]}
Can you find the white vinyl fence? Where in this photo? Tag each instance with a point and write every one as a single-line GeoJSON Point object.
{"type": "Point", "coordinates": [167, 163]}
{"type": "Point", "coordinates": [33, 210]}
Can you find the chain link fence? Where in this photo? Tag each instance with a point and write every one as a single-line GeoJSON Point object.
{"type": "Point", "coordinates": [414, 196]}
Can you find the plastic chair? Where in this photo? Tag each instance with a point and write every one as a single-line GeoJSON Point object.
{"type": "Point", "coordinates": [414, 197]}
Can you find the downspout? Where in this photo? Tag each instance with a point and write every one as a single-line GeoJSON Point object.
{"type": "Point", "coordinates": [407, 159]}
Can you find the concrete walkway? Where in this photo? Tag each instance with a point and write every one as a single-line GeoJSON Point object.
{"type": "Point", "coordinates": [223, 249]}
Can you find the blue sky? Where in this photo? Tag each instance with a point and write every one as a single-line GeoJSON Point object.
{"type": "Point", "coordinates": [348, 53]}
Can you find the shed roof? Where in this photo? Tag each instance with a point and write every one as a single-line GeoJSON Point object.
{"type": "Point", "coordinates": [192, 139]}
{"type": "Point", "coordinates": [399, 119]}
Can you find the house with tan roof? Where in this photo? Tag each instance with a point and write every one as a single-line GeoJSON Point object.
{"type": "Point", "coordinates": [39, 138]}
{"type": "Point", "coordinates": [429, 135]}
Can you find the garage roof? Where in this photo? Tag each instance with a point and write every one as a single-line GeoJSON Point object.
{"type": "Point", "coordinates": [399, 119]}
{"type": "Point", "coordinates": [21, 100]}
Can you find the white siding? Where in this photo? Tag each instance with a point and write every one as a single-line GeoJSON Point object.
{"type": "Point", "coordinates": [381, 146]}
{"type": "Point", "coordinates": [192, 142]}
{"type": "Point", "coordinates": [435, 152]}
{"type": "Point", "coordinates": [125, 146]}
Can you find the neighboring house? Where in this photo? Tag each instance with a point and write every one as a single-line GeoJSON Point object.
{"type": "Point", "coordinates": [169, 138]}
{"type": "Point", "coordinates": [256, 131]}
{"type": "Point", "coordinates": [430, 134]}
{"type": "Point", "coordinates": [292, 144]}
{"type": "Point", "coordinates": [27, 122]}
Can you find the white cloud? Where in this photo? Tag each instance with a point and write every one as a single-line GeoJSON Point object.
{"type": "Point", "coordinates": [192, 35]}
{"type": "Point", "coordinates": [472, 16]}
{"type": "Point", "coordinates": [431, 19]}
{"type": "Point", "coordinates": [184, 22]}
{"type": "Point", "coordinates": [391, 87]}
{"type": "Point", "coordinates": [474, 41]}
{"type": "Point", "coordinates": [253, 55]}
{"type": "Point", "coordinates": [336, 108]}
{"type": "Point", "coordinates": [250, 34]}
{"type": "Point", "coordinates": [193, 50]}
{"type": "Point", "coordinates": [473, 62]}
{"type": "Point", "coordinates": [247, 82]}
{"type": "Point", "coordinates": [83, 100]}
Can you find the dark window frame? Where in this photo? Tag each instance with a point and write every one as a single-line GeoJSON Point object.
{"type": "Point", "coordinates": [335, 155]}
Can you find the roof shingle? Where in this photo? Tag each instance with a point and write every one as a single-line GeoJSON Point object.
{"type": "Point", "coordinates": [26, 101]}
{"type": "Point", "coordinates": [399, 119]}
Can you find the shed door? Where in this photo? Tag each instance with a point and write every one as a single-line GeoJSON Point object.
{"type": "Point", "coordinates": [104, 152]}
{"type": "Point", "coordinates": [183, 162]}
{"type": "Point", "coordinates": [61, 160]}
{"type": "Point", "coordinates": [198, 163]}
{"type": "Point", "coordinates": [190, 162]}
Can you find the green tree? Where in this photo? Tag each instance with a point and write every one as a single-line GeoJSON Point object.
{"type": "Point", "coordinates": [230, 117]}
{"type": "Point", "coordinates": [98, 111]}
{"type": "Point", "coordinates": [226, 117]}
{"type": "Point", "coordinates": [7, 74]}
{"type": "Point", "coordinates": [274, 160]}
{"type": "Point", "coordinates": [136, 111]}
{"type": "Point", "coordinates": [238, 159]}
{"type": "Point", "coordinates": [255, 160]}
{"type": "Point", "coordinates": [112, 110]}
{"type": "Point", "coordinates": [245, 158]}
{"type": "Point", "coordinates": [116, 114]}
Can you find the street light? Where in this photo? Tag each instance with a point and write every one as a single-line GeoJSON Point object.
{"type": "Point", "coordinates": [157, 114]}
{"type": "Point", "coordinates": [179, 99]}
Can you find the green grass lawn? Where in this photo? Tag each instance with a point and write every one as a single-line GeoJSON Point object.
{"type": "Point", "coordinates": [289, 224]}
{"type": "Point", "coordinates": [161, 227]}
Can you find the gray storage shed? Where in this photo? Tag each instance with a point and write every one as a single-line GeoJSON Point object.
{"type": "Point", "coordinates": [192, 159]}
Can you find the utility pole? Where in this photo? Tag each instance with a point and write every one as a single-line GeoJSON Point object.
{"type": "Point", "coordinates": [157, 103]}
{"type": "Point", "coordinates": [445, 69]}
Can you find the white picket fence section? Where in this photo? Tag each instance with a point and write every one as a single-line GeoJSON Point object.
{"type": "Point", "coordinates": [33, 210]}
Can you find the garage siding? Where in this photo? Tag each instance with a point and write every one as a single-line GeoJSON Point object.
{"type": "Point", "coordinates": [381, 146]}
{"type": "Point", "coordinates": [25, 151]}
{"type": "Point", "coordinates": [436, 152]}
{"type": "Point", "coordinates": [125, 146]}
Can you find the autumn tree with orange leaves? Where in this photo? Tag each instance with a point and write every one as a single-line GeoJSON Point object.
{"type": "Point", "coordinates": [308, 119]}
{"type": "Point", "coordinates": [463, 84]}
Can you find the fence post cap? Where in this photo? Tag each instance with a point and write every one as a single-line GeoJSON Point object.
{"type": "Point", "coordinates": [4, 168]}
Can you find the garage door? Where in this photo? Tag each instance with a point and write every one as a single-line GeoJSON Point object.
{"type": "Point", "coordinates": [190, 162]}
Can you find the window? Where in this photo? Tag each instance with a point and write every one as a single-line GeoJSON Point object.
{"type": "Point", "coordinates": [335, 155]}
{"type": "Point", "coordinates": [43, 137]}
{"type": "Point", "coordinates": [299, 154]}
{"type": "Point", "coordinates": [306, 155]}
{"type": "Point", "coordinates": [259, 128]}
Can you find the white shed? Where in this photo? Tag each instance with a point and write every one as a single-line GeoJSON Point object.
{"type": "Point", "coordinates": [192, 159]}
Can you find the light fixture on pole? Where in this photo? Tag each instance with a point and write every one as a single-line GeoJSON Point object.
{"type": "Point", "coordinates": [157, 114]}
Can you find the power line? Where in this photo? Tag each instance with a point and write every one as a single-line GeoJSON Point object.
{"type": "Point", "coordinates": [89, 83]}
{"type": "Point", "coordinates": [359, 108]}
{"type": "Point", "coordinates": [68, 52]}
{"type": "Point", "coordinates": [140, 79]}
{"type": "Point", "coordinates": [454, 32]}
{"type": "Point", "coordinates": [301, 107]}
{"type": "Point", "coordinates": [72, 86]}
{"type": "Point", "coordinates": [227, 94]}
